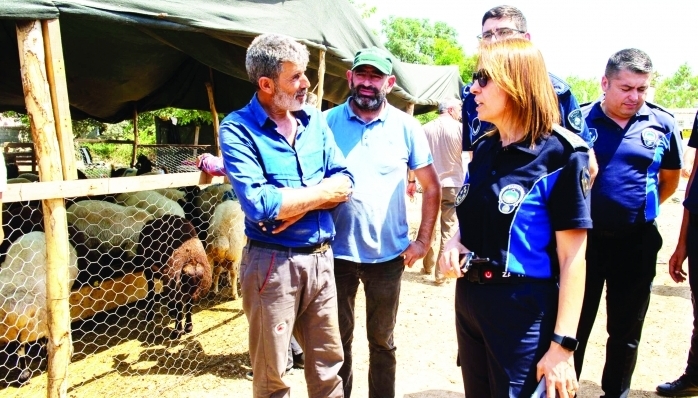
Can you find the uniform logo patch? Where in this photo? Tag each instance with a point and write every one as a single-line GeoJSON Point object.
{"type": "Point", "coordinates": [462, 194]}
{"type": "Point", "coordinates": [593, 135]}
{"type": "Point", "coordinates": [476, 126]}
{"type": "Point", "coordinates": [650, 138]}
{"type": "Point", "coordinates": [585, 181]}
{"type": "Point", "coordinates": [509, 197]}
{"type": "Point", "coordinates": [575, 119]}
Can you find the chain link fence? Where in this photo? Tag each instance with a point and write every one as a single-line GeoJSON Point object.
{"type": "Point", "coordinates": [153, 278]}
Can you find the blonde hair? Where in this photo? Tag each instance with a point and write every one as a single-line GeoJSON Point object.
{"type": "Point", "coordinates": [516, 66]}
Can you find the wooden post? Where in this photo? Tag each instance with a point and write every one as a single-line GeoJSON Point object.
{"type": "Point", "coordinates": [37, 97]}
{"type": "Point", "coordinates": [320, 79]}
{"type": "Point", "coordinates": [55, 70]}
{"type": "Point", "coordinates": [214, 114]}
{"type": "Point", "coordinates": [410, 109]}
{"type": "Point", "coordinates": [135, 136]}
{"type": "Point", "coordinates": [196, 139]}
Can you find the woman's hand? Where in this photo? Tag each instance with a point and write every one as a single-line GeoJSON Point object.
{"type": "Point", "coordinates": [449, 262]}
{"type": "Point", "coordinates": [557, 365]}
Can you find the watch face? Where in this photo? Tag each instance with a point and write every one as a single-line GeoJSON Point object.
{"type": "Point", "coordinates": [570, 343]}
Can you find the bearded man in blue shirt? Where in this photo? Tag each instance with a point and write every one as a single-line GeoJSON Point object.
{"type": "Point", "coordinates": [286, 170]}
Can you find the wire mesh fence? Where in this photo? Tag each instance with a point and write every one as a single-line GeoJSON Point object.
{"type": "Point", "coordinates": [151, 159]}
{"type": "Point", "coordinates": [153, 275]}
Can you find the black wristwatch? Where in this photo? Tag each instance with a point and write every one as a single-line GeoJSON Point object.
{"type": "Point", "coordinates": [567, 342]}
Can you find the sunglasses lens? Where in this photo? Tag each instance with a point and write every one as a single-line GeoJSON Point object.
{"type": "Point", "coordinates": [481, 78]}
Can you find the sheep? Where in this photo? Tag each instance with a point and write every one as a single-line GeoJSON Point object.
{"type": "Point", "coordinates": [105, 236]}
{"type": "Point", "coordinates": [29, 176]}
{"type": "Point", "coordinates": [170, 249]}
{"type": "Point", "coordinates": [225, 241]}
{"type": "Point", "coordinates": [203, 204]}
{"type": "Point", "coordinates": [151, 201]}
{"type": "Point", "coordinates": [23, 293]}
{"type": "Point", "coordinates": [177, 195]}
{"type": "Point", "coordinates": [20, 218]}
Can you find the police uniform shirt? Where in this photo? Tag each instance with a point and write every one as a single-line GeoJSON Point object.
{"type": "Point", "coordinates": [516, 197]}
{"type": "Point", "coordinates": [625, 191]}
{"type": "Point", "coordinates": [691, 202]}
{"type": "Point", "coordinates": [570, 114]}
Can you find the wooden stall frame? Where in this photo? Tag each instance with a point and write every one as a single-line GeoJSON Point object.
{"type": "Point", "coordinates": [320, 79]}
{"type": "Point", "coordinates": [39, 100]}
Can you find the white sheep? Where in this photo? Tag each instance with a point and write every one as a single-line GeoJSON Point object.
{"type": "Point", "coordinates": [107, 226]}
{"type": "Point", "coordinates": [151, 201]}
{"type": "Point", "coordinates": [225, 242]}
{"type": "Point", "coordinates": [23, 292]}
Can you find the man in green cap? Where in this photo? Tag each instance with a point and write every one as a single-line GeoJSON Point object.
{"type": "Point", "coordinates": [371, 245]}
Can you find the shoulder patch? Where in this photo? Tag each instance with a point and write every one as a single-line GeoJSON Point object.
{"type": "Point", "coordinates": [573, 139]}
{"type": "Point", "coordinates": [575, 119]}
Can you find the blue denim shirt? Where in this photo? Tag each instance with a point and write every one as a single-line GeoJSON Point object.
{"type": "Point", "coordinates": [259, 162]}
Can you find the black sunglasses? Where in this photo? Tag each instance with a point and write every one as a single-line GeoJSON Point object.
{"type": "Point", "coordinates": [481, 77]}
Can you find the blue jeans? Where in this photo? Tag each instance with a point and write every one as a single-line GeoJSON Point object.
{"type": "Point", "coordinates": [382, 288]}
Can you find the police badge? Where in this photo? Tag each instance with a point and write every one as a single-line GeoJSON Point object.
{"type": "Point", "coordinates": [585, 181]}
{"type": "Point", "coordinates": [476, 126]}
{"type": "Point", "coordinates": [509, 197]}
{"type": "Point", "coordinates": [462, 194]}
{"type": "Point", "coordinates": [593, 135]}
{"type": "Point", "coordinates": [575, 119]}
{"type": "Point", "coordinates": [650, 138]}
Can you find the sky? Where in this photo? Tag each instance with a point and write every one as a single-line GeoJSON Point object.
{"type": "Point", "coordinates": [575, 37]}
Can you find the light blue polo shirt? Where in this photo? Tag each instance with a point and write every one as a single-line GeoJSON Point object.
{"type": "Point", "coordinates": [372, 226]}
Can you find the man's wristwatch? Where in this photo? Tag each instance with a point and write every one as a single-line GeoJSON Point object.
{"type": "Point", "coordinates": [567, 342]}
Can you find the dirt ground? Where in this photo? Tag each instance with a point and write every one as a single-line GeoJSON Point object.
{"type": "Point", "coordinates": [212, 361]}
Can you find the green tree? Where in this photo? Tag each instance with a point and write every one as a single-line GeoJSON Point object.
{"type": "Point", "coordinates": [585, 90]}
{"type": "Point", "coordinates": [419, 41]}
{"type": "Point", "coordinates": [364, 10]}
{"type": "Point", "coordinates": [679, 90]}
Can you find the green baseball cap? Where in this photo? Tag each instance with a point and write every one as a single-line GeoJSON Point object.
{"type": "Point", "coordinates": [375, 57]}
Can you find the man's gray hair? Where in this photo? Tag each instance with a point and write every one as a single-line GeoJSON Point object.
{"type": "Point", "coordinates": [268, 52]}
{"type": "Point", "coordinates": [630, 59]}
{"type": "Point", "coordinates": [447, 103]}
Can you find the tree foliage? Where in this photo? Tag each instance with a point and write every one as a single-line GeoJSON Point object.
{"type": "Point", "coordinates": [679, 90]}
{"type": "Point", "coordinates": [585, 90]}
{"type": "Point", "coordinates": [420, 41]}
{"type": "Point", "coordinates": [364, 10]}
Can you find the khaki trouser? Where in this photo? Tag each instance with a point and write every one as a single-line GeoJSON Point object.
{"type": "Point", "coordinates": [443, 231]}
{"type": "Point", "coordinates": [284, 292]}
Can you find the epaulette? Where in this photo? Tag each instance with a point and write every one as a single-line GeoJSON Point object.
{"type": "Point", "coordinates": [655, 106]}
{"type": "Point", "coordinates": [576, 141]}
{"type": "Point", "coordinates": [560, 86]}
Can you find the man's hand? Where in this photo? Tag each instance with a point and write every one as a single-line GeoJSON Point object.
{"type": "Point", "coordinates": [337, 189]}
{"type": "Point", "coordinates": [287, 223]}
{"type": "Point", "coordinates": [676, 261]}
{"type": "Point", "coordinates": [449, 262]}
{"type": "Point", "coordinates": [414, 252]}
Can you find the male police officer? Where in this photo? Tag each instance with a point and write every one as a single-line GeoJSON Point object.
{"type": "Point", "coordinates": [504, 22]}
{"type": "Point", "coordinates": [639, 153]}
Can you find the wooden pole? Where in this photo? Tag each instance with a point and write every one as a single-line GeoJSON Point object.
{"type": "Point", "coordinates": [410, 109]}
{"type": "Point", "coordinates": [196, 138]}
{"type": "Point", "coordinates": [320, 79]}
{"type": "Point", "coordinates": [55, 70]}
{"type": "Point", "coordinates": [135, 135]}
{"type": "Point", "coordinates": [37, 97]}
{"type": "Point", "coordinates": [214, 115]}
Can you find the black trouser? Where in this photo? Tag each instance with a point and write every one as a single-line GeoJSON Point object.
{"type": "Point", "coordinates": [692, 251]}
{"type": "Point", "coordinates": [626, 261]}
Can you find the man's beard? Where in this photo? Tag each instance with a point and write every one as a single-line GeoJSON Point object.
{"type": "Point", "coordinates": [289, 102]}
{"type": "Point", "coordinates": [368, 103]}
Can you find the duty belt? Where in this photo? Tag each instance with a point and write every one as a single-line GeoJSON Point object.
{"type": "Point", "coordinates": [487, 273]}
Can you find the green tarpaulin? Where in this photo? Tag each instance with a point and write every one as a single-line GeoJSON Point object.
{"type": "Point", "coordinates": [150, 54]}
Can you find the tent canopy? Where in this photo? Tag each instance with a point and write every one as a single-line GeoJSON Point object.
{"type": "Point", "coordinates": [122, 55]}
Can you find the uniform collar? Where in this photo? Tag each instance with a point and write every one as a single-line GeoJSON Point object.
{"type": "Point", "coordinates": [597, 112]}
{"type": "Point", "coordinates": [522, 146]}
{"type": "Point", "coordinates": [261, 117]}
